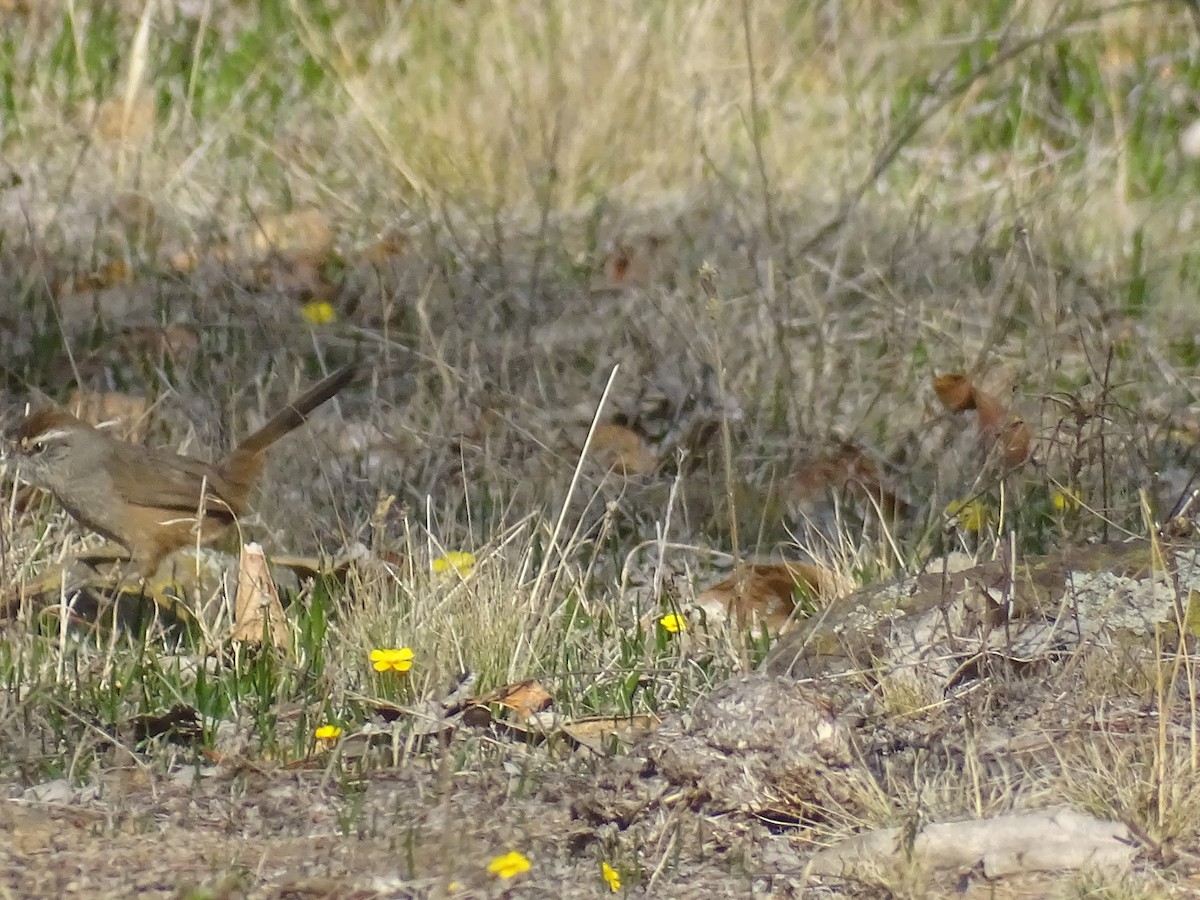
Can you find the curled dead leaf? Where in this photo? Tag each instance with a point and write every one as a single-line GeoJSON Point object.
{"type": "Point", "coordinates": [524, 698]}
{"type": "Point", "coordinates": [258, 614]}
{"type": "Point", "coordinates": [1002, 431]}
{"type": "Point", "coordinates": [762, 595]}
{"type": "Point", "coordinates": [847, 469]}
{"type": "Point", "coordinates": [1015, 441]}
{"type": "Point", "coordinates": [286, 250]}
{"type": "Point", "coordinates": [955, 392]}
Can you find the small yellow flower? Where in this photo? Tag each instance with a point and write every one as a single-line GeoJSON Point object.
{"type": "Point", "coordinates": [399, 659]}
{"type": "Point", "coordinates": [1066, 500]}
{"type": "Point", "coordinates": [327, 733]}
{"type": "Point", "coordinates": [673, 622]}
{"type": "Point", "coordinates": [455, 560]}
{"type": "Point", "coordinates": [319, 312]}
{"type": "Point", "coordinates": [510, 865]}
{"type": "Point", "coordinates": [609, 874]}
{"type": "Point", "coordinates": [972, 515]}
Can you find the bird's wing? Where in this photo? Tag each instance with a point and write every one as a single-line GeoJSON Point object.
{"type": "Point", "coordinates": [166, 481]}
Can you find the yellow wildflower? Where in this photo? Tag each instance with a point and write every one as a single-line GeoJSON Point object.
{"type": "Point", "coordinates": [972, 515]}
{"type": "Point", "coordinates": [319, 312]}
{"type": "Point", "coordinates": [510, 865]}
{"type": "Point", "coordinates": [1065, 500]}
{"type": "Point", "coordinates": [455, 560]}
{"type": "Point", "coordinates": [327, 733]}
{"type": "Point", "coordinates": [610, 875]}
{"type": "Point", "coordinates": [399, 659]}
{"type": "Point", "coordinates": [673, 622]}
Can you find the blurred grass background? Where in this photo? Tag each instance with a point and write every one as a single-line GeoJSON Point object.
{"type": "Point", "coordinates": [1072, 109]}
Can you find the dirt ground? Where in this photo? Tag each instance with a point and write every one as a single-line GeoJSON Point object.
{"type": "Point", "coordinates": [284, 834]}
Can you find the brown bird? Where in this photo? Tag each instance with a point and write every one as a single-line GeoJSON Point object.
{"type": "Point", "coordinates": [150, 501]}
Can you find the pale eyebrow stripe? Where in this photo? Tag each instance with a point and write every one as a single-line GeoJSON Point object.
{"type": "Point", "coordinates": [56, 434]}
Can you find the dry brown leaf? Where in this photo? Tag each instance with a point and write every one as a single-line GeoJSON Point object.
{"type": "Point", "coordinates": [761, 595]}
{"type": "Point", "coordinates": [848, 469]}
{"type": "Point", "coordinates": [955, 391]}
{"type": "Point", "coordinates": [617, 447]}
{"type": "Point", "coordinates": [524, 698]}
{"type": "Point", "coordinates": [130, 413]}
{"type": "Point", "coordinates": [1015, 441]}
{"type": "Point", "coordinates": [999, 427]}
{"type": "Point", "coordinates": [599, 733]}
{"type": "Point", "coordinates": [258, 612]}
{"type": "Point", "coordinates": [117, 120]}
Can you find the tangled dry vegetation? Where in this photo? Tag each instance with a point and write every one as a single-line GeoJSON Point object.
{"type": "Point", "coordinates": [679, 322]}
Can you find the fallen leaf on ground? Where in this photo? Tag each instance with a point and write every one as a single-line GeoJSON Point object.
{"type": "Point", "coordinates": [600, 733]}
{"type": "Point", "coordinates": [258, 612]}
{"type": "Point", "coordinates": [847, 469]}
{"type": "Point", "coordinates": [955, 392]}
{"type": "Point", "coordinates": [184, 261]}
{"type": "Point", "coordinates": [759, 595]}
{"type": "Point", "coordinates": [288, 252]}
{"type": "Point", "coordinates": [524, 698]}
{"type": "Point", "coordinates": [617, 447]}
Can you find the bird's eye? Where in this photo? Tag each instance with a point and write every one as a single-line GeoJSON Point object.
{"type": "Point", "coordinates": [38, 446]}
